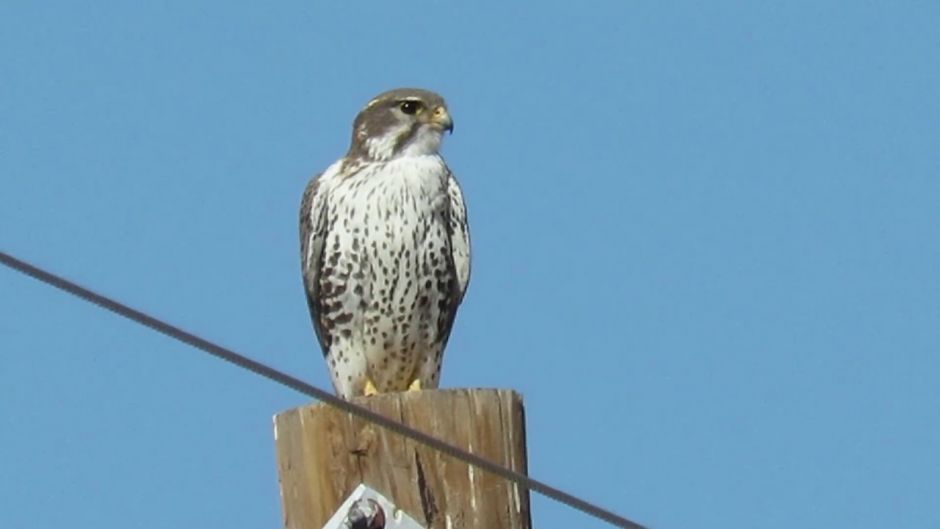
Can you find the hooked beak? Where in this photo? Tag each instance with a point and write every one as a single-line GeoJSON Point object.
{"type": "Point", "coordinates": [441, 118]}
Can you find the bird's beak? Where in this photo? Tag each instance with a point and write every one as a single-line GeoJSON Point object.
{"type": "Point", "coordinates": [441, 118]}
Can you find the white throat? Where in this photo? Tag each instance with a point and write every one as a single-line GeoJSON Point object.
{"type": "Point", "coordinates": [426, 141]}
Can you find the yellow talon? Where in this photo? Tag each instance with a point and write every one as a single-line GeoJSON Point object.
{"type": "Point", "coordinates": [415, 386]}
{"type": "Point", "coordinates": [370, 389]}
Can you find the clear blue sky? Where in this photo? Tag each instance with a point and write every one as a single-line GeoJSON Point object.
{"type": "Point", "coordinates": [705, 248]}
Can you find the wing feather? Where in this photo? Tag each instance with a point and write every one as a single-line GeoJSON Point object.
{"type": "Point", "coordinates": [313, 233]}
{"type": "Point", "coordinates": [459, 232]}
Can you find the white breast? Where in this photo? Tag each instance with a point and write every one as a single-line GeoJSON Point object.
{"type": "Point", "coordinates": [387, 202]}
{"type": "Point", "coordinates": [389, 225]}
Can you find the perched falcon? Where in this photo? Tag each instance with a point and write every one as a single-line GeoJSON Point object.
{"type": "Point", "coordinates": [385, 248]}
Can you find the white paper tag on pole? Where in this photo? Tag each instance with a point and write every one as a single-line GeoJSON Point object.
{"type": "Point", "coordinates": [367, 509]}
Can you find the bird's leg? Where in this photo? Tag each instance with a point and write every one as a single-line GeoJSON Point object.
{"type": "Point", "coordinates": [415, 386]}
{"type": "Point", "coordinates": [370, 389]}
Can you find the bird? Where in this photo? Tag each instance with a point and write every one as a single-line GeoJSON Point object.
{"type": "Point", "coordinates": [385, 248]}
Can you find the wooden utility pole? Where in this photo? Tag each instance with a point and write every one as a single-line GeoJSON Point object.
{"type": "Point", "coordinates": [323, 454]}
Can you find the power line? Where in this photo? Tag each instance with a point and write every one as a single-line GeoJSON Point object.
{"type": "Point", "coordinates": [299, 385]}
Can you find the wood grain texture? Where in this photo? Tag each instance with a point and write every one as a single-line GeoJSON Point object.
{"type": "Point", "coordinates": [323, 454]}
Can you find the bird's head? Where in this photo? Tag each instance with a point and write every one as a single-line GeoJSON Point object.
{"type": "Point", "coordinates": [401, 122]}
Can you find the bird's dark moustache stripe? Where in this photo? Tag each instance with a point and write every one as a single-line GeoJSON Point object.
{"type": "Point", "coordinates": [405, 139]}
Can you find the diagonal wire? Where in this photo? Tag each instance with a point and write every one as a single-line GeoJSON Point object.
{"type": "Point", "coordinates": [299, 385]}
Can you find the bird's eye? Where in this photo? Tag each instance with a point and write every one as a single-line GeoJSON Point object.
{"type": "Point", "coordinates": [409, 107]}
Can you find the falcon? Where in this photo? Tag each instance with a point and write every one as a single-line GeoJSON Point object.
{"type": "Point", "coordinates": [385, 248]}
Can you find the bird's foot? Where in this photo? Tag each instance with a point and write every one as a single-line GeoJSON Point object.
{"type": "Point", "coordinates": [370, 389]}
{"type": "Point", "coordinates": [415, 386]}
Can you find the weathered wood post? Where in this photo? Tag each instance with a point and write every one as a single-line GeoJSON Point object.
{"type": "Point", "coordinates": [323, 455]}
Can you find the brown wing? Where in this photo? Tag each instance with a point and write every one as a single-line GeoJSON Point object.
{"type": "Point", "coordinates": [313, 232]}
{"type": "Point", "coordinates": [459, 231]}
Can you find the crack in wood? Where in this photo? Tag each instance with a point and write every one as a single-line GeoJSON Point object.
{"type": "Point", "coordinates": [428, 505]}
